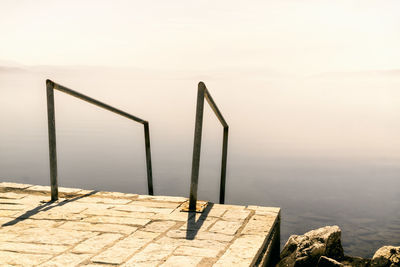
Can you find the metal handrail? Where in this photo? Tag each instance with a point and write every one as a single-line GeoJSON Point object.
{"type": "Point", "coordinates": [50, 85]}
{"type": "Point", "coordinates": [202, 93]}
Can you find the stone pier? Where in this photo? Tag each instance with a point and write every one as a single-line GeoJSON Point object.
{"type": "Point", "coordinates": [92, 228]}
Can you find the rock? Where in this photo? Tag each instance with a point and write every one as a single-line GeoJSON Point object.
{"type": "Point", "coordinates": [328, 262]}
{"type": "Point", "coordinates": [355, 261]}
{"type": "Point", "coordinates": [305, 250]}
{"type": "Point", "coordinates": [386, 256]}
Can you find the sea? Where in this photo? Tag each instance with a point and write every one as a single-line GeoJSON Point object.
{"type": "Point", "coordinates": [324, 147]}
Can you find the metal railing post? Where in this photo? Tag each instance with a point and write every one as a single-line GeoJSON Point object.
{"type": "Point", "coordinates": [202, 93]}
{"type": "Point", "coordinates": [197, 147]}
{"type": "Point", "coordinates": [148, 158]}
{"type": "Point", "coordinates": [223, 166]}
{"type": "Point", "coordinates": [52, 139]}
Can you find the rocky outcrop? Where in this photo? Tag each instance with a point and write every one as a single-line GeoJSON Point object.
{"type": "Point", "coordinates": [323, 248]}
{"type": "Point", "coordinates": [350, 261]}
{"type": "Point", "coordinates": [328, 262]}
{"type": "Point", "coordinates": [306, 250]}
{"type": "Point", "coordinates": [387, 256]}
{"type": "Point", "coordinates": [347, 261]}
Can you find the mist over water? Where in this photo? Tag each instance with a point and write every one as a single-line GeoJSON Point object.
{"type": "Point", "coordinates": [324, 148]}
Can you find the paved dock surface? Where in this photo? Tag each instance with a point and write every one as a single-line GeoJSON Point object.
{"type": "Point", "coordinates": [91, 228]}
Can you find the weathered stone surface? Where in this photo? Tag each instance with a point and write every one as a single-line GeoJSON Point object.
{"type": "Point", "coordinates": [117, 213]}
{"type": "Point", "coordinates": [109, 228]}
{"type": "Point", "coordinates": [32, 200]}
{"type": "Point", "coordinates": [259, 224]}
{"type": "Point", "coordinates": [226, 227]}
{"type": "Point", "coordinates": [167, 241]}
{"type": "Point", "coordinates": [199, 225]}
{"type": "Point", "coordinates": [243, 251]}
{"type": "Point", "coordinates": [201, 252]}
{"type": "Point", "coordinates": [305, 250]}
{"type": "Point", "coordinates": [6, 236]}
{"type": "Point", "coordinates": [96, 243]}
{"type": "Point", "coordinates": [159, 226]}
{"type": "Point", "coordinates": [86, 193]}
{"type": "Point", "coordinates": [10, 195]}
{"type": "Point", "coordinates": [98, 265]}
{"type": "Point", "coordinates": [72, 207]}
{"type": "Point", "coordinates": [40, 188]}
{"type": "Point", "coordinates": [228, 207]}
{"type": "Point", "coordinates": [29, 223]}
{"type": "Point", "coordinates": [104, 200]}
{"type": "Point", "coordinates": [22, 259]}
{"type": "Point", "coordinates": [52, 236]}
{"type": "Point", "coordinates": [103, 227]}
{"type": "Point", "coordinates": [176, 215]}
{"type": "Point", "coordinates": [117, 220]}
{"type": "Point", "coordinates": [328, 262]}
{"type": "Point", "coordinates": [8, 213]}
{"type": "Point", "coordinates": [236, 215]}
{"type": "Point", "coordinates": [199, 235]}
{"type": "Point", "coordinates": [152, 252]}
{"type": "Point", "coordinates": [162, 198]}
{"type": "Point", "coordinates": [68, 259]}
{"type": "Point", "coordinates": [264, 210]}
{"type": "Point", "coordinates": [116, 254]}
{"type": "Point", "coordinates": [14, 185]}
{"type": "Point", "coordinates": [68, 190]}
{"type": "Point", "coordinates": [386, 256]}
{"type": "Point", "coordinates": [124, 248]}
{"type": "Point", "coordinates": [140, 264]}
{"type": "Point", "coordinates": [211, 213]}
{"type": "Point", "coordinates": [144, 209]}
{"type": "Point", "coordinates": [156, 204]}
{"type": "Point", "coordinates": [179, 261]}
{"type": "Point", "coordinates": [32, 248]}
{"type": "Point", "coordinates": [54, 215]}
{"type": "Point", "coordinates": [232, 261]}
{"type": "Point", "coordinates": [199, 243]}
{"type": "Point", "coordinates": [106, 194]}
{"type": "Point", "coordinates": [11, 205]}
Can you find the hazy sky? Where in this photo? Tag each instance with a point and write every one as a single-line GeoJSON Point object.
{"type": "Point", "coordinates": [285, 36]}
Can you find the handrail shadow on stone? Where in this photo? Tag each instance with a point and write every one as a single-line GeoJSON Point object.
{"type": "Point", "coordinates": [50, 86]}
{"type": "Point", "coordinates": [45, 207]}
{"type": "Point", "coordinates": [194, 226]}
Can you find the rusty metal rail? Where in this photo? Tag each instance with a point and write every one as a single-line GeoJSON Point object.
{"type": "Point", "coordinates": [50, 86]}
{"type": "Point", "coordinates": [202, 93]}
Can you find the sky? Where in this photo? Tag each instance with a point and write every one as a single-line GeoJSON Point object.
{"type": "Point", "coordinates": [285, 36]}
{"type": "Point", "coordinates": [314, 75]}
{"type": "Point", "coordinates": [318, 77]}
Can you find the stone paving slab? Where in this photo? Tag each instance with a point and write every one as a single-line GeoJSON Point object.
{"type": "Point", "coordinates": [91, 228]}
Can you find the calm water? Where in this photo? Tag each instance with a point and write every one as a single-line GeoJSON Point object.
{"type": "Point", "coordinates": [324, 148]}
